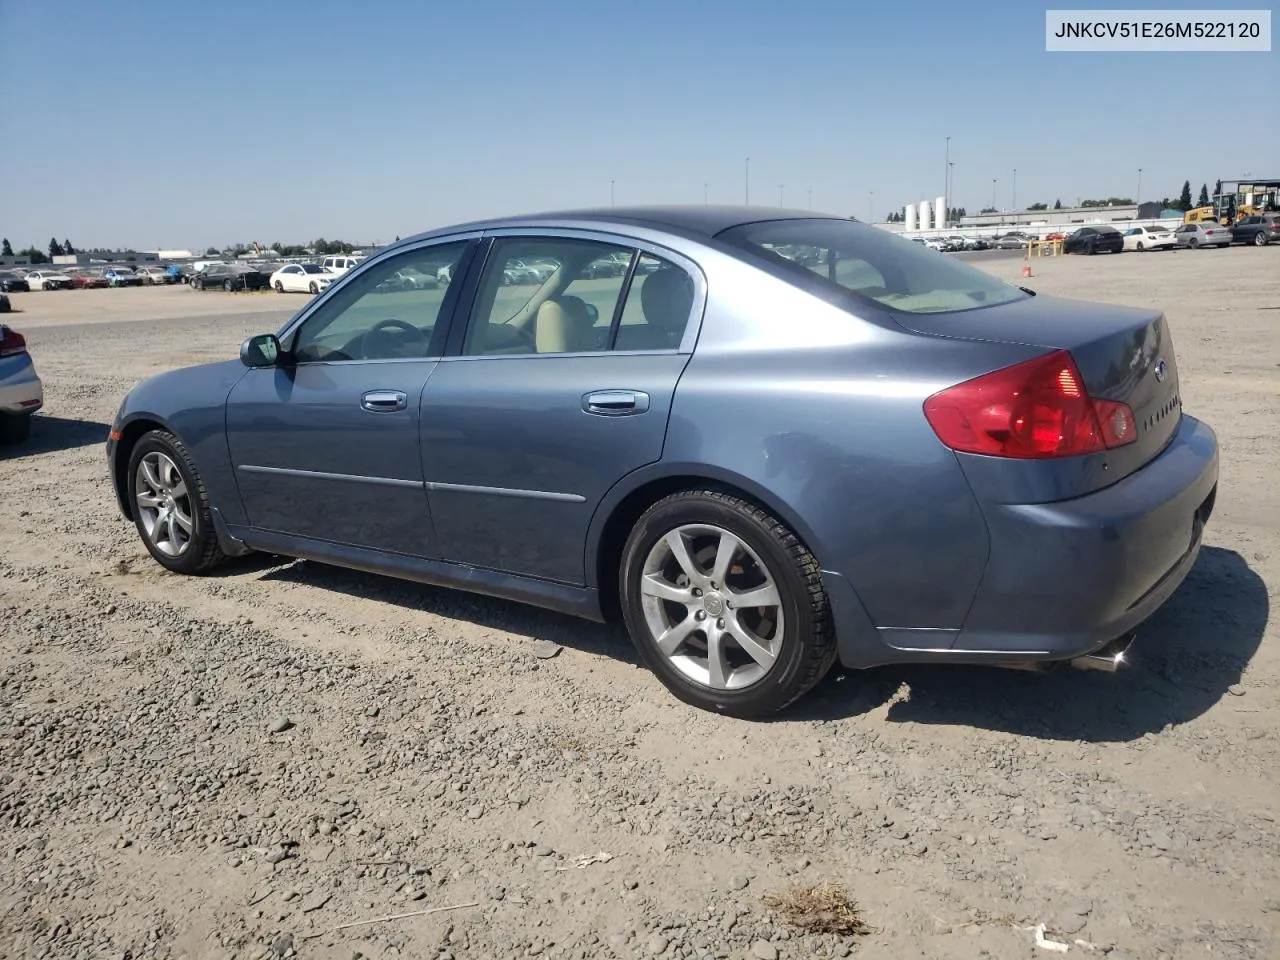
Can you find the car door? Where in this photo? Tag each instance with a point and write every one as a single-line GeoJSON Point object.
{"type": "Point", "coordinates": [551, 394]}
{"type": "Point", "coordinates": [325, 443]}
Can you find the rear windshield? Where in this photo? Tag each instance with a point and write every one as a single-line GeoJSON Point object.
{"type": "Point", "coordinates": [872, 263]}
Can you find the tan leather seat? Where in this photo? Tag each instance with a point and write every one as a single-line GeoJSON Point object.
{"type": "Point", "coordinates": [666, 297]}
{"type": "Point", "coordinates": [563, 327]}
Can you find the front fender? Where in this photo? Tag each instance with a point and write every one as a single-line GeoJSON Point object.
{"type": "Point", "coordinates": [190, 403]}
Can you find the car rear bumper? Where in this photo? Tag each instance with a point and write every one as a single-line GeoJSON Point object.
{"type": "Point", "coordinates": [21, 391]}
{"type": "Point", "coordinates": [1064, 579]}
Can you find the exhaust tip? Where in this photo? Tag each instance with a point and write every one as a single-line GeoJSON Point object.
{"type": "Point", "coordinates": [1109, 659]}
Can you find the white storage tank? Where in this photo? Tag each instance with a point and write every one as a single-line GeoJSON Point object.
{"type": "Point", "coordinates": [940, 212]}
{"type": "Point", "coordinates": [924, 214]}
{"type": "Point", "coordinates": [910, 218]}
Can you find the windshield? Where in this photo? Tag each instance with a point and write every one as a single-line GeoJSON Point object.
{"type": "Point", "coordinates": [312, 268]}
{"type": "Point", "coordinates": [872, 263]}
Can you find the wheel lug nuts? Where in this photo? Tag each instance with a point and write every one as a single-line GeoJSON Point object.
{"type": "Point", "coordinates": [697, 592]}
{"type": "Point", "coordinates": [720, 624]}
{"type": "Point", "coordinates": [700, 615]}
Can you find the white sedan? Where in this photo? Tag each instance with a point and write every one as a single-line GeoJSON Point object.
{"type": "Point", "coordinates": [1149, 238]}
{"type": "Point", "coordinates": [301, 278]}
{"type": "Point", "coordinates": [48, 280]}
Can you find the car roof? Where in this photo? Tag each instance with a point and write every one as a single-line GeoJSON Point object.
{"type": "Point", "coordinates": [693, 221]}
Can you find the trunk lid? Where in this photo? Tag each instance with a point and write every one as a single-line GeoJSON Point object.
{"type": "Point", "coordinates": [1123, 353]}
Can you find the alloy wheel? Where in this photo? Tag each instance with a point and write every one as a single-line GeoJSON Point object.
{"type": "Point", "coordinates": [164, 504]}
{"type": "Point", "coordinates": [712, 607]}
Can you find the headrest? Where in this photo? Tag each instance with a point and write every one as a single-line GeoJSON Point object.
{"type": "Point", "coordinates": [667, 297]}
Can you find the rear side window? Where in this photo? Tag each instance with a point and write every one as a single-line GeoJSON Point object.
{"type": "Point", "coordinates": [873, 264]}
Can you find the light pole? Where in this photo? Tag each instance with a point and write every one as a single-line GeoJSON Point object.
{"type": "Point", "coordinates": [1138, 199]}
{"type": "Point", "coordinates": [780, 187]}
{"type": "Point", "coordinates": [611, 193]}
{"type": "Point", "coordinates": [871, 206]}
{"type": "Point", "coordinates": [946, 183]}
{"type": "Point", "coordinates": [993, 193]}
{"type": "Point", "coordinates": [811, 198]}
{"type": "Point", "coordinates": [746, 189]}
{"type": "Point", "coordinates": [1014, 202]}
{"type": "Point", "coordinates": [704, 194]}
{"type": "Point", "coordinates": [951, 180]}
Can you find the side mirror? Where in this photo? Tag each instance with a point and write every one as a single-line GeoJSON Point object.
{"type": "Point", "coordinates": [260, 351]}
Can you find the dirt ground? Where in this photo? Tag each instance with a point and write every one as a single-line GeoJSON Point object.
{"type": "Point", "coordinates": [235, 766]}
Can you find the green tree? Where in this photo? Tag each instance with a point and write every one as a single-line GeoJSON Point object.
{"type": "Point", "coordinates": [1184, 199]}
{"type": "Point", "coordinates": [1203, 201]}
{"type": "Point", "coordinates": [67, 248]}
{"type": "Point", "coordinates": [1038, 206]}
{"type": "Point", "coordinates": [55, 248]}
{"type": "Point", "coordinates": [1057, 204]}
{"type": "Point", "coordinates": [211, 252]}
{"type": "Point", "coordinates": [1217, 188]}
{"type": "Point", "coordinates": [987, 210]}
{"type": "Point", "coordinates": [33, 255]}
{"type": "Point", "coordinates": [6, 249]}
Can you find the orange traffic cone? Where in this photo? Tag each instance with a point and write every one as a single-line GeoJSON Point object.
{"type": "Point", "coordinates": [1026, 270]}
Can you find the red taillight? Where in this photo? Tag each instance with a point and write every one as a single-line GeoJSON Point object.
{"type": "Point", "coordinates": [1029, 411]}
{"type": "Point", "coordinates": [11, 342]}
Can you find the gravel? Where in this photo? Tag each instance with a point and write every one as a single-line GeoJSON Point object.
{"type": "Point", "coordinates": [149, 805]}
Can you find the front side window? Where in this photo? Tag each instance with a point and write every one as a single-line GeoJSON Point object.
{"type": "Point", "coordinates": [374, 316]}
{"type": "Point", "coordinates": [872, 264]}
{"type": "Point", "coordinates": [545, 295]}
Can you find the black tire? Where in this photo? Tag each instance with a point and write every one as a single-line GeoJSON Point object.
{"type": "Point", "coordinates": [228, 286]}
{"type": "Point", "coordinates": [314, 288]}
{"type": "Point", "coordinates": [1193, 243]}
{"type": "Point", "coordinates": [204, 552]}
{"type": "Point", "coordinates": [1141, 248]}
{"type": "Point", "coordinates": [15, 428]}
{"type": "Point", "coordinates": [1260, 239]}
{"type": "Point", "coordinates": [1089, 250]}
{"type": "Point", "coordinates": [808, 642]}
{"type": "Point", "coordinates": [279, 286]}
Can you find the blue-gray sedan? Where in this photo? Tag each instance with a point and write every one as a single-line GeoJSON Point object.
{"type": "Point", "coordinates": [768, 440]}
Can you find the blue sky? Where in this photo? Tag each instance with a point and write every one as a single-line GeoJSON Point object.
{"type": "Point", "coordinates": [183, 124]}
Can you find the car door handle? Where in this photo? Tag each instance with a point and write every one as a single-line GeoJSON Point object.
{"type": "Point", "coordinates": [384, 401]}
{"type": "Point", "coordinates": [615, 403]}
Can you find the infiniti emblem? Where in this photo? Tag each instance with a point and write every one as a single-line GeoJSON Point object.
{"type": "Point", "coordinates": [1161, 371]}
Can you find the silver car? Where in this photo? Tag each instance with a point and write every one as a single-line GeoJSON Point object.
{"type": "Point", "coordinates": [774, 441]}
{"type": "Point", "coordinates": [1206, 234]}
{"type": "Point", "coordinates": [21, 392]}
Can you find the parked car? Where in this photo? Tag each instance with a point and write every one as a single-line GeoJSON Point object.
{"type": "Point", "coordinates": [340, 264]}
{"type": "Point", "coordinates": [21, 392]}
{"type": "Point", "coordinates": [975, 243]}
{"type": "Point", "coordinates": [1054, 236]}
{"type": "Point", "coordinates": [1207, 233]}
{"type": "Point", "coordinates": [155, 276]}
{"type": "Point", "coordinates": [1012, 241]}
{"type": "Point", "coordinates": [122, 277]}
{"type": "Point", "coordinates": [408, 279]}
{"type": "Point", "coordinates": [48, 280]}
{"type": "Point", "coordinates": [89, 280]}
{"type": "Point", "coordinates": [1259, 230]}
{"type": "Point", "coordinates": [11, 282]}
{"type": "Point", "coordinates": [1101, 238]}
{"type": "Point", "coordinates": [229, 277]}
{"type": "Point", "coordinates": [997, 494]}
{"type": "Point", "coordinates": [1149, 238]}
{"type": "Point", "coordinates": [301, 278]}
{"type": "Point", "coordinates": [936, 244]}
